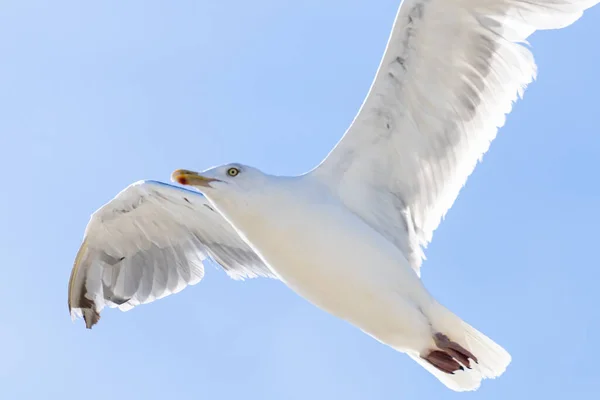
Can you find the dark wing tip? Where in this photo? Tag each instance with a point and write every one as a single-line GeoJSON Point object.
{"type": "Point", "coordinates": [90, 316]}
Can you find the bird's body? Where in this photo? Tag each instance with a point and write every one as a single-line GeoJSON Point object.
{"type": "Point", "coordinates": [332, 258]}
{"type": "Point", "coordinates": [349, 235]}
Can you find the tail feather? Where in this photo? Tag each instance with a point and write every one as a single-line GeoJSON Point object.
{"type": "Point", "coordinates": [492, 358]}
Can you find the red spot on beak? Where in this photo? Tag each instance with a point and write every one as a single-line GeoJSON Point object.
{"type": "Point", "coordinates": [182, 180]}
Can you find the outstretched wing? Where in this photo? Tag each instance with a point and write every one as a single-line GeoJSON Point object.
{"type": "Point", "coordinates": [449, 75]}
{"type": "Point", "coordinates": [151, 241]}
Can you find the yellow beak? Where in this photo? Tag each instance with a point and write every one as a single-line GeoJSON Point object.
{"type": "Point", "coordinates": [185, 177]}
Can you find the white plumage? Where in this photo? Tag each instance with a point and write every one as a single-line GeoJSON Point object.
{"type": "Point", "coordinates": [348, 235]}
{"type": "Point", "coordinates": [150, 241]}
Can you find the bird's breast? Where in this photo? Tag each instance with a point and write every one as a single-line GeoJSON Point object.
{"type": "Point", "coordinates": [329, 256]}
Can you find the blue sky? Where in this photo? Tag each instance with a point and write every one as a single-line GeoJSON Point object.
{"type": "Point", "coordinates": [96, 95]}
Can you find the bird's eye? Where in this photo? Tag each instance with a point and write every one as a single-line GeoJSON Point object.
{"type": "Point", "coordinates": [233, 171]}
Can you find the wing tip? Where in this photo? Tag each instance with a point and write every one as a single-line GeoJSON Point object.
{"type": "Point", "coordinates": [90, 316]}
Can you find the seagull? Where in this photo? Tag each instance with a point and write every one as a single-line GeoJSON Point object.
{"type": "Point", "coordinates": [349, 235]}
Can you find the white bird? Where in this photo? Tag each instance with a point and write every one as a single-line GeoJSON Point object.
{"type": "Point", "coordinates": [349, 235]}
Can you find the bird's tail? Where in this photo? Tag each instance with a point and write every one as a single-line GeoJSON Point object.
{"type": "Point", "coordinates": [492, 359]}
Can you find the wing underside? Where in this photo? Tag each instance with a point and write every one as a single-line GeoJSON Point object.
{"type": "Point", "coordinates": [150, 241]}
{"type": "Point", "coordinates": [450, 73]}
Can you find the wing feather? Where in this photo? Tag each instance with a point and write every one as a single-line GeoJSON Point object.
{"type": "Point", "coordinates": [150, 241]}
{"type": "Point", "coordinates": [450, 73]}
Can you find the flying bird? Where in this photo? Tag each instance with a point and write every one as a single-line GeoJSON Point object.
{"type": "Point", "coordinates": [349, 234]}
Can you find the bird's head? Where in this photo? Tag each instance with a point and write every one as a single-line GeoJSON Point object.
{"type": "Point", "coordinates": [236, 190]}
{"type": "Point", "coordinates": [223, 181]}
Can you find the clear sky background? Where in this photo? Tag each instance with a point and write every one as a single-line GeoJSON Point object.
{"type": "Point", "coordinates": [95, 95]}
